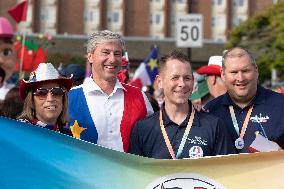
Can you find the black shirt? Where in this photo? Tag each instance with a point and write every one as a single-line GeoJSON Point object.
{"type": "Point", "coordinates": [207, 137]}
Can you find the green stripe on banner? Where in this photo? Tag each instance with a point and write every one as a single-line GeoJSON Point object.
{"type": "Point", "coordinates": [33, 157]}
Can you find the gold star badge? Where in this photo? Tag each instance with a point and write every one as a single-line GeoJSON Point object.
{"type": "Point", "coordinates": [76, 130]}
{"type": "Point", "coordinates": [152, 64]}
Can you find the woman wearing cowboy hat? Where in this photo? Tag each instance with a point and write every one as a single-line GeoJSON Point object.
{"type": "Point", "coordinates": [45, 98]}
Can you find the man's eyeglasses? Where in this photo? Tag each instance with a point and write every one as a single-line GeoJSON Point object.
{"type": "Point", "coordinates": [55, 91]}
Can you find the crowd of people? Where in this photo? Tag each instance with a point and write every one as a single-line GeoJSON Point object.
{"type": "Point", "coordinates": [223, 116]}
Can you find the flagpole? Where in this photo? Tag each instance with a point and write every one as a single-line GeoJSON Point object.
{"type": "Point", "coordinates": [21, 74]}
{"type": "Point", "coordinates": [19, 14]}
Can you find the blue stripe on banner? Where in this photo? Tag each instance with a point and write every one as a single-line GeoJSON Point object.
{"type": "Point", "coordinates": [34, 157]}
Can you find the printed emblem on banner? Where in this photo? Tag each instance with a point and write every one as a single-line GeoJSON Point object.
{"type": "Point", "coordinates": [184, 181]}
{"type": "Point", "coordinates": [195, 152]}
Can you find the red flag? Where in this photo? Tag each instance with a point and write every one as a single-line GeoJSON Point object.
{"type": "Point", "coordinates": [19, 12]}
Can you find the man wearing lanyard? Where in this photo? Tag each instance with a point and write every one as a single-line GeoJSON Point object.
{"type": "Point", "coordinates": [177, 130]}
{"type": "Point", "coordinates": [247, 108]}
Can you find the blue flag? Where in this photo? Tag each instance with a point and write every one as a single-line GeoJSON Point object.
{"type": "Point", "coordinates": [152, 64]}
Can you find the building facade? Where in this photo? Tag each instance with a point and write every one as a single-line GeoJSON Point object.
{"type": "Point", "coordinates": [133, 18]}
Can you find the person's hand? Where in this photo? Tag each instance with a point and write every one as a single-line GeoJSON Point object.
{"type": "Point", "coordinates": [279, 148]}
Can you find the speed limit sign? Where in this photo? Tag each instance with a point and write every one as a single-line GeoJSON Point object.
{"type": "Point", "coordinates": [189, 30]}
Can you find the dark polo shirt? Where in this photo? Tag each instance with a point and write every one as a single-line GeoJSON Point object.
{"type": "Point", "coordinates": [207, 137]}
{"type": "Point", "coordinates": [268, 109]}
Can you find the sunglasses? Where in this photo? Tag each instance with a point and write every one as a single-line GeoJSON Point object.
{"type": "Point", "coordinates": [55, 91]}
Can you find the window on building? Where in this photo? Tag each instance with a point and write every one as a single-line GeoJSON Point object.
{"type": "Point", "coordinates": [109, 17]}
{"type": "Point", "coordinates": [238, 20]}
{"type": "Point", "coordinates": [173, 20]}
{"type": "Point", "coordinates": [217, 2]}
{"type": "Point", "coordinates": [157, 19]}
{"type": "Point", "coordinates": [85, 16]}
{"type": "Point", "coordinates": [218, 22]}
{"type": "Point", "coordinates": [241, 3]}
{"type": "Point", "coordinates": [115, 17]}
{"type": "Point", "coordinates": [213, 20]}
{"type": "Point", "coordinates": [89, 16]}
{"type": "Point", "coordinates": [44, 14]}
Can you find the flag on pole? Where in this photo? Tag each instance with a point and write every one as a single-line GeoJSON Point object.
{"type": "Point", "coordinates": [147, 70]}
{"type": "Point", "coordinates": [19, 12]}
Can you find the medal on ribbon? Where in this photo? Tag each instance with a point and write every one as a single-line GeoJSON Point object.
{"type": "Point", "coordinates": [239, 143]}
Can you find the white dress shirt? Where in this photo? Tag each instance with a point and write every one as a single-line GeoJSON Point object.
{"type": "Point", "coordinates": [106, 111]}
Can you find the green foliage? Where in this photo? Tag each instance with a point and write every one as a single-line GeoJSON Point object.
{"type": "Point", "coordinates": [263, 34]}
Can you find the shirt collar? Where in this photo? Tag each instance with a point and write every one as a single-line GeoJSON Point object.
{"type": "Point", "coordinates": [167, 121]}
{"type": "Point", "coordinates": [258, 99]}
{"type": "Point", "coordinates": [90, 86]}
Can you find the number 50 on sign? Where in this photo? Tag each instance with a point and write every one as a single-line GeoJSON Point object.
{"type": "Point", "coordinates": [189, 30]}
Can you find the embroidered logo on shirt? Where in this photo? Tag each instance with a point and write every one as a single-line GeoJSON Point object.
{"type": "Point", "coordinates": [197, 140]}
{"type": "Point", "coordinates": [195, 152]}
{"type": "Point", "coordinates": [259, 119]}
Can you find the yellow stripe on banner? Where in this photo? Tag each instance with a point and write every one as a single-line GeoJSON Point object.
{"type": "Point", "coordinates": [258, 170]}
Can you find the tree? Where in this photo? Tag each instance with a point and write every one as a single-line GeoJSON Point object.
{"type": "Point", "coordinates": [263, 34]}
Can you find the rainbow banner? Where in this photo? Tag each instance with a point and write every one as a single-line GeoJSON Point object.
{"type": "Point", "coordinates": [33, 157]}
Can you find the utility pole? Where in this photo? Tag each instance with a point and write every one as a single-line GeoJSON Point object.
{"type": "Point", "coordinates": [189, 2]}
